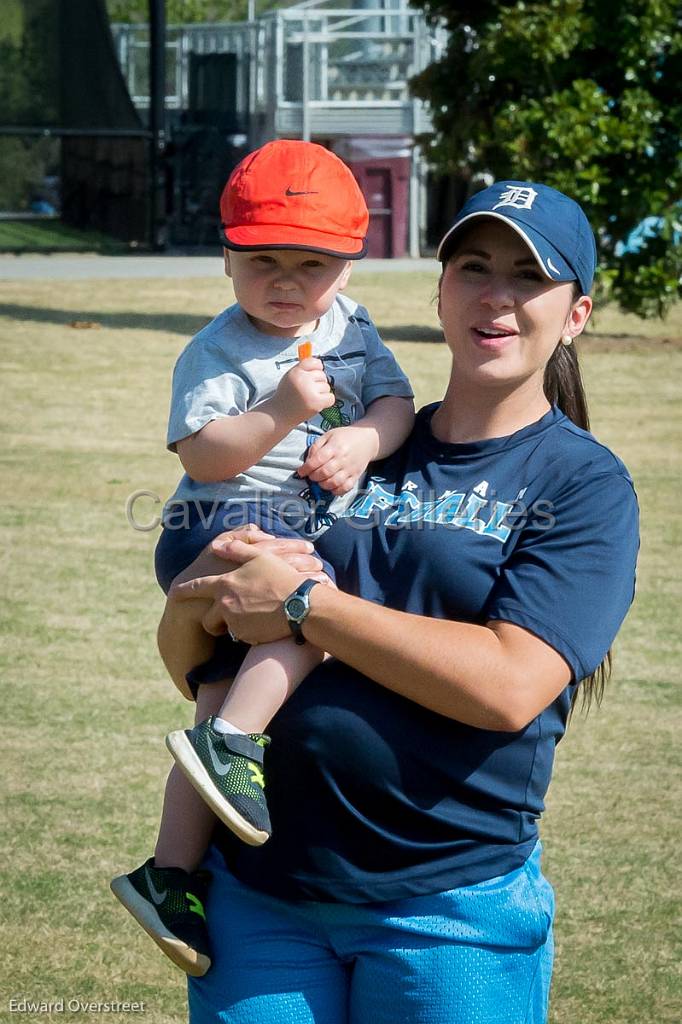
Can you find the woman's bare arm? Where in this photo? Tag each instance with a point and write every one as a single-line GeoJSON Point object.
{"type": "Point", "coordinates": [495, 676]}
{"type": "Point", "coordinates": [183, 641]}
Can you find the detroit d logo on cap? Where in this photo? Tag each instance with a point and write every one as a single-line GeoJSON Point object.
{"type": "Point", "coordinates": [520, 198]}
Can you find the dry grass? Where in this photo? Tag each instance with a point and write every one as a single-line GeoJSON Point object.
{"type": "Point", "coordinates": [86, 702]}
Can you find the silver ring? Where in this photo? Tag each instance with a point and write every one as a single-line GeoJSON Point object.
{"type": "Point", "coordinates": [235, 639]}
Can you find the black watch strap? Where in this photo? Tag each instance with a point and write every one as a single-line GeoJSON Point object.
{"type": "Point", "coordinates": [296, 608]}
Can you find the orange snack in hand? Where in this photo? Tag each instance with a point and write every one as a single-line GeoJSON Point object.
{"type": "Point", "coordinates": [305, 350]}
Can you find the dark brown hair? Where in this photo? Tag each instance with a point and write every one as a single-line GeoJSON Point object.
{"type": "Point", "coordinates": [563, 385]}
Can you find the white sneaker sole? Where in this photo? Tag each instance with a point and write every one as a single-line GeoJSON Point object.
{"type": "Point", "coordinates": [190, 764]}
{"type": "Point", "coordinates": [182, 955]}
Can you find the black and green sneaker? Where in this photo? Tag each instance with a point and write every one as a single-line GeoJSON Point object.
{"type": "Point", "coordinates": [169, 904]}
{"type": "Point", "coordinates": [226, 770]}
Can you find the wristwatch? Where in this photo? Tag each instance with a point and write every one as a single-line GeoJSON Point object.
{"type": "Point", "coordinates": [296, 608]}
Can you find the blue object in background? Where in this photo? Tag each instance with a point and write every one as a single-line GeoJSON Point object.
{"type": "Point", "coordinates": [648, 228]}
{"type": "Point", "coordinates": [42, 206]}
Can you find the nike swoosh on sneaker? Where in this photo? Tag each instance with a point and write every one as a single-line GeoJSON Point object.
{"type": "Point", "coordinates": [218, 767]}
{"type": "Point", "coordinates": [157, 896]}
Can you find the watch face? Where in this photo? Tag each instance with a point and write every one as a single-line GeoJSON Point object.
{"type": "Point", "coordinates": [296, 606]}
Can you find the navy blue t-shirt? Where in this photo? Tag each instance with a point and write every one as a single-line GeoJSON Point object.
{"type": "Point", "coordinates": [374, 797]}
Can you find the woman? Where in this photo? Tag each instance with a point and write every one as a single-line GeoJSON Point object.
{"type": "Point", "coordinates": [482, 575]}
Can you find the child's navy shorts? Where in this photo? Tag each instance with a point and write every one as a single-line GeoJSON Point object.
{"type": "Point", "coordinates": [191, 525]}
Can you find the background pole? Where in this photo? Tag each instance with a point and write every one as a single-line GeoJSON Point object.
{"type": "Point", "coordinates": [157, 108]}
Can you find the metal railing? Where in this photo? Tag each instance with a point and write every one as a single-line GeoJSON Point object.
{"type": "Point", "coordinates": [310, 56]}
{"type": "Point", "coordinates": [132, 48]}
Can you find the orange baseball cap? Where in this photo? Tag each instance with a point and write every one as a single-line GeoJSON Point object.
{"type": "Point", "coordinates": [294, 195]}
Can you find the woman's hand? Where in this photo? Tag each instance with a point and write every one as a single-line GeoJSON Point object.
{"type": "Point", "coordinates": [215, 558]}
{"type": "Point", "coordinates": [248, 600]}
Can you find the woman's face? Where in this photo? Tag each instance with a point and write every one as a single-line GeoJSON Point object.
{"type": "Point", "coordinates": [501, 316]}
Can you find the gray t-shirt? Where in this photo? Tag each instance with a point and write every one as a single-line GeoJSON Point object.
{"type": "Point", "coordinates": [230, 367]}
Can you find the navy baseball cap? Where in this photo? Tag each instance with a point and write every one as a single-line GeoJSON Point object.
{"type": "Point", "coordinates": [554, 228]}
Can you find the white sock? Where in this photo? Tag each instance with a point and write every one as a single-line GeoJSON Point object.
{"type": "Point", "coordinates": [221, 725]}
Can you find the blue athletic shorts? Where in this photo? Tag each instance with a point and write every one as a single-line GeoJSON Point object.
{"type": "Point", "coordinates": [480, 954]}
{"type": "Point", "coordinates": [190, 528]}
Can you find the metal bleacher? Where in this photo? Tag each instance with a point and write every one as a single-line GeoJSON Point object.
{"type": "Point", "coordinates": [310, 69]}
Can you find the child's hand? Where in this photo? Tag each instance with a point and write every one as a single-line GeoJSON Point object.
{"type": "Point", "coordinates": [338, 459]}
{"type": "Point", "coordinates": [304, 390]}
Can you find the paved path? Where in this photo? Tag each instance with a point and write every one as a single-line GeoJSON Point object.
{"type": "Point", "coordinates": [84, 268]}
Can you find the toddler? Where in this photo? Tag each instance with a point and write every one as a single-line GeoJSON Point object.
{"type": "Point", "coordinates": [292, 375]}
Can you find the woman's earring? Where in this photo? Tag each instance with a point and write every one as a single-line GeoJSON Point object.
{"type": "Point", "coordinates": [566, 339]}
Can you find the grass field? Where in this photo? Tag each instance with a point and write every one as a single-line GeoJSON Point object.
{"type": "Point", "coordinates": [86, 704]}
{"type": "Point", "coordinates": [44, 236]}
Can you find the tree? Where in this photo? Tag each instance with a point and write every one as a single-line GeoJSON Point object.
{"type": "Point", "coordinates": [583, 95]}
{"type": "Point", "coordinates": [185, 12]}
{"type": "Point", "coordinates": [27, 76]}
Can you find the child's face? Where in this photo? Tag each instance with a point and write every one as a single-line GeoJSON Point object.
{"type": "Point", "coordinates": [285, 291]}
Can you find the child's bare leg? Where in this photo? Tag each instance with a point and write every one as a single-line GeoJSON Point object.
{"type": "Point", "coordinates": [186, 821]}
{"type": "Point", "coordinates": [226, 766]}
{"type": "Point", "coordinates": [164, 894]}
{"type": "Point", "coordinates": [268, 676]}
{"type": "Point", "coordinates": [222, 763]}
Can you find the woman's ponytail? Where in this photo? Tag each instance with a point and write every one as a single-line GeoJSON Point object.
{"type": "Point", "coordinates": [563, 386]}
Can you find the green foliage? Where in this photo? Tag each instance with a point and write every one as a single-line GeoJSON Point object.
{"type": "Point", "coordinates": [12, 21]}
{"type": "Point", "coordinates": [27, 71]}
{"type": "Point", "coordinates": [28, 68]}
{"type": "Point", "coordinates": [24, 162]}
{"type": "Point", "coordinates": [180, 12]}
{"type": "Point", "coordinates": [583, 95]}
